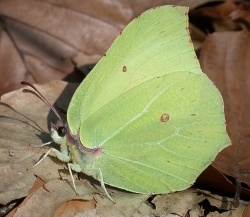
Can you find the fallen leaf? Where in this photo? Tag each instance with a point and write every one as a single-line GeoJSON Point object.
{"type": "Point", "coordinates": [225, 59]}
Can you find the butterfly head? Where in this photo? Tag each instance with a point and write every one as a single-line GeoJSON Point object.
{"type": "Point", "coordinates": [58, 131]}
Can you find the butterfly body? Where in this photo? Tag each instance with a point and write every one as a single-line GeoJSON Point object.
{"type": "Point", "coordinates": [71, 146]}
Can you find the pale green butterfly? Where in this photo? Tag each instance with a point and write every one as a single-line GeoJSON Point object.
{"type": "Point", "coordinates": [146, 119]}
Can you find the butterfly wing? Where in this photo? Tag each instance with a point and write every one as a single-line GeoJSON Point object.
{"type": "Point", "coordinates": [155, 44]}
{"type": "Point", "coordinates": [158, 119]}
{"type": "Point", "coordinates": [159, 136]}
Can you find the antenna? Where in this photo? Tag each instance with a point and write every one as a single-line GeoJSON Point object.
{"type": "Point", "coordinates": [40, 96]}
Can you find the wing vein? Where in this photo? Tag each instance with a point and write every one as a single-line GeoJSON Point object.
{"type": "Point", "coordinates": [136, 116]}
{"type": "Point", "coordinates": [145, 165]}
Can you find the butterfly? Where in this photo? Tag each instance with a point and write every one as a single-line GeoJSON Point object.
{"type": "Point", "coordinates": [146, 119]}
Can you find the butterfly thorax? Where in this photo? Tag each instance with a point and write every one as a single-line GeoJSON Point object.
{"type": "Point", "coordinates": [72, 146]}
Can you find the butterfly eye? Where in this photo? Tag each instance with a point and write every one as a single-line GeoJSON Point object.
{"type": "Point", "coordinates": [61, 131]}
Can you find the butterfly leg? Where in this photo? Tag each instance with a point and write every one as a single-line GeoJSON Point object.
{"type": "Point", "coordinates": [76, 168]}
{"type": "Point", "coordinates": [44, 144]}
{"type": "Point", "coordinates": [64, 157]}
{"type": "Point", "coordinates": [100, 178]}
{"type": "Point", "coordinates": [61, 156]}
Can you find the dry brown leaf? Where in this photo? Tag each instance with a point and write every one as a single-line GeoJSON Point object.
{"type": "Point", "coordinates": [70, 208]}
{"type": "Point", "coordinates": [39, 38]}
{"type": "Point", "coordinates": [179, 203]}
{"type": "Point", "coordinates": [215, 181]}
{"type": "Point", "coordinates": [139, 6]}
{"type": "Point", "coordinates": [225, 58]}
{"type": "Point", "coordinates": [47, 200]}
{"type": "Point", "coordinates": [216, 205]}
{"type": "Point", "coordinates": [241, 16]}
{"type": "Point", "coordinates": [38, 183]}
{"type": "Point", "coordinates": [246, 212]}
{"type": "Point", "coordinates": [215, 18]}
{"type": "Point", "coordinates": [221, 10]}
